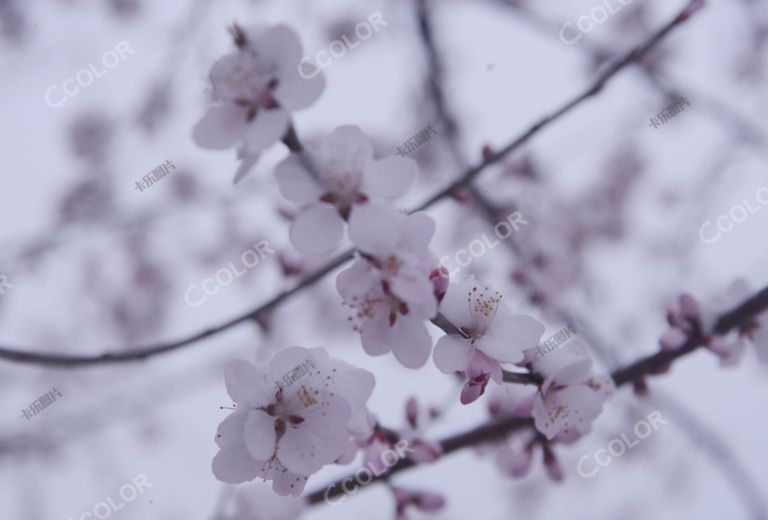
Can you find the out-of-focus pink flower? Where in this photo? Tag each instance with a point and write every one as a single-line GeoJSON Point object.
{"type": "Point", "coordinates": [337, 181]}
{"type": "Point", "coordinates": [293, 416]}
{"type": "Point", "coordinates": [257, 87]}
{"type": "Point", "coordinates": [570, 397]}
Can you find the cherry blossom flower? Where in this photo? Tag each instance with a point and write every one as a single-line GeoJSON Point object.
{"type": "Point", "coordinates": [570, 397]}
{"type": "Point", "coordinates": [293, 416]}
{"type": "Point", "coordinates": [256, 87]}
{"type": "Point", "coordinates": [391, 288]}
{"type": "Point", "coordinates": [490, 335]}
{"type": "Point", "coordinates": [333, 181]}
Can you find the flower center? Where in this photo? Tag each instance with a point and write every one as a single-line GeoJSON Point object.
{"type": "Point", "coordinates": [483, 304]}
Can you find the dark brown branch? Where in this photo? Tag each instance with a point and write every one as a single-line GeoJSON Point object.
{"type": "Point", "coordinates": [640, 369]}
{"type": "Point", "coordinates": [133, 354]}
{"type": "Point", "coordinates": [137, 354]}
{"type": "Point", "coordinates": [602, 80]}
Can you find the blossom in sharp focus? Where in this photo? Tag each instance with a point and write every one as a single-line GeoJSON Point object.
{"type": "Point", "coordinates": [570, 397]}
{"type": "Point", "coordinates": [294, 416]}
{"type": "Point", "coordinates": [490, 335]}
{"type": "Point", "coordinates": [256, 88]}
{"type": "Point", "coordinates": [333, 181]}
{"type": "Point", "coordinates": [390, 289]}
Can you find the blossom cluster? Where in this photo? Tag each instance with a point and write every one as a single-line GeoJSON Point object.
{"type": "Point", "coordinates": [304, 410]}
{"type": "Point", "coordinates": [286, 432]}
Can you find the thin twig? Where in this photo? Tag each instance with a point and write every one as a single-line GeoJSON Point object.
{"type": "Point", "coordinates": [602, 80]}
{"type": "Point", "coordinates": [636, 371]}
{"type": "Point", "coordinates": [133, 354]}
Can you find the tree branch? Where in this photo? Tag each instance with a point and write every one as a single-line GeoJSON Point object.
{"type": "Point", "coordinates": [601, 81]}
{"type": "Point", "coordinates": [499, 428]}
{"type": "Point", "coordinates": [21, 355]}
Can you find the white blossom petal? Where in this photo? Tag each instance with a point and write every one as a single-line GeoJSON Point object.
{"type": "Point", "coordinates": [452, 354]}
{"type": "Point", "coordinates": [319, 440]}
{"type": "Point", "coordinates": [417, 232]}
{"type": "Point", "coordinates": [233, 464]}
{"type": "Point", "coordinates": [317, 230]}
{"type": "Point", "coordinates": [376, 334]}
{"type": "Point", "coordinates": [296, 92]}
{"type": "Point", "coordinates": [267, 128]}
{"type": "Point", "coordinates": [260, 434]}
{"type": "Point", "coordinates": [346, 149]}
{"type": "Point", "coordinates": [279, 45]}
{"type": "Point", "coordinates": [247, 385]}
{"type": "Point", "coordinates": [221, 127]}
{"type": "Point", "coordinates": [231, 429]}
{"type": "Point", "coordinates": [414, 287]}
{"type": "Point", "coordinates": [355, 281]}
{"type": "Point", "coordinates": [374, 229]}
{"type": "Point", "coordinates": [412, 343]}
{"type": "Point", "coordinates": [390, 177]}
{"type": "Point", "coordinates": [295, 183]}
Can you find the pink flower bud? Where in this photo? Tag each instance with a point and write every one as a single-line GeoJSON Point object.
{"type": "Point", "coordinates": [554, 471]}
{"type": "Point", "coordinates": [423, 450]}
{"type": "Point", "coordinates": [472, 391]}
{"type": "Point", "coordinates": [689, 308]}
{"type": "Point", "coordinates": [429, 501]}
{"type": "Point", "coordinates": [673, 339]}
{"type": "Point", "coordinates": [412, 412]}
